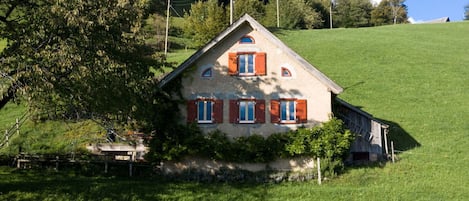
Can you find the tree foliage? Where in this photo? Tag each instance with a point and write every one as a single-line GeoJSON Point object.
{"type": "Point", "coordinates": [204, 21]}
{"type": "Point", "coordinates": [352, 13]}
{"type": "Point", "coordinates": [294, 14]}
{"type": "Point", "coordinates": [80, 57]}
{"type": "Point", "coordinates": [466, 12]}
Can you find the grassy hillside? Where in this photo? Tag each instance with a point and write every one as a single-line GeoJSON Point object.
{"type": "Point", "coordinates": [416, 77]}
{"type": "Point", "coordinates": [413, 76]}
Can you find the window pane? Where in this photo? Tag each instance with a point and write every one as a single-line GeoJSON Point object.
{"type": "Point", "coordinates": [251, 111]}
{"type": "Point", "coordinates": [200, 110]}
{"type": "Point", "coordinates": [242, 63]}
{"type": "Point", "coordinates": [242, 111]}
{"type": "Point", "coordinates": [283, 110]}
{"type": "Point", "coordinates": [292, 110]}
{"type": "Point", "coordinates": [207, 73]}
{"type": "Point", "coordinates": [209, 110]}
{"type": "Point", "coordinates": [250, 63]}
{"type": "Point", "coordinates": [246, 40]}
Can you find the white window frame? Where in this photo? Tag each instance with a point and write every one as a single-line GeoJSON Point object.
{"type": "Point", "coordinates": [205, 111]}
{"type": "Point", "coordinates": [288, 111]}
{"type": "Point", "coordinates": [246, 62]}
{"type": "Point", "coordinates": [244, 105]}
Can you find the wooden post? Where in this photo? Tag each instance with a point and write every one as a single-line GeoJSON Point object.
{"type": "Point", "coordinates": [386, 141]}
{"type": "Point", "coordinates": [319, 171]}
{"type": "Point", "coordinates": [56, 163]}
{"type": "Point", "coordinates": [130, 169]}
{"type": "Point", "coordinates": [17, 127]}
{"type": "Point", "coordinates": [105, 166]}
{"type": "Point", "coordinates": [392, 151]}
{"type": "Point", "coordinates": [6, 138]}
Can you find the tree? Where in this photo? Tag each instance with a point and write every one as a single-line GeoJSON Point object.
{"type": "Point", "coordinates": [353, 13]}
{"type": "Point", "coordinates": [79, 58]}
{"type": "Point", "coordinates": [254, 8]}
{"type": "Point", "coordinates": [294, 14]}
{"type": "Point", "coordinates": [389, 12]}
{"type": "Point", "coordinates": [466, 12]}
{"type": "Point", "coordinates": [204, 21]}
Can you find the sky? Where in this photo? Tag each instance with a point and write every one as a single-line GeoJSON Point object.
{"type": "Point", "coordinates": [424, 10]}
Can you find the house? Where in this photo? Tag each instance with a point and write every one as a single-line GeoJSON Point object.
{"type": "Point", "coordinates": [246, 81]}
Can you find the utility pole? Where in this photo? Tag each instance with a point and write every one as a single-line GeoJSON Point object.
{"type": "Point", "coordinates": [231, 12]}
{"type": "Point", "coordinates": [278, 16]}
{"type": "Point", "coordinates": [330, 14]}
{"type": "Point", "coordinates": [167, 29]}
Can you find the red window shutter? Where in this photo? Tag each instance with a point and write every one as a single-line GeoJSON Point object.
{"type": "Point", "coordinates": [234, 111]}
{"type": "Point", "coordinates": [260, 63]}
{"type": "Point", "coordinates": [275, 111]}
{"type": "Point", "coordinates": [301, 111]}
{"type": "Point", "coordinates": [191, 111]}
{"type": "Point", "coordinates": [232, 63]}
{"type": "Point", "coordinates": [218, 111]}
{"type": "Point", "coordinates": [260, 111]}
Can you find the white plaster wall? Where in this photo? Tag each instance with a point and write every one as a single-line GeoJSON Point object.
{"type": "Point", "coordinates": [303, 85]}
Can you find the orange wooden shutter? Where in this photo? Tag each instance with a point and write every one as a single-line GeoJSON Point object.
{"type": "Point", "coordinates": [275, 111]}
{"type": "Point", "coordinates": [260, 111]}
{"type": "Point", "coordinates": [191, 111]}
{"type": "Point", "coordinates": [232, 63]}
{"type": "Point", "coordinates": [234, 111]}
{"type": "Point", "coordinates": [260, 63]}
{"type": "Point", "coordinates": [301, 111]}
{"type": "Point", "coordinates": [218, 111]}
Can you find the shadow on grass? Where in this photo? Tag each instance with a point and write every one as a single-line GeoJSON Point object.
{"type": "Point", "coordinates": [403, 141]}
{"type": "Point", "coordinates": [43, 185]}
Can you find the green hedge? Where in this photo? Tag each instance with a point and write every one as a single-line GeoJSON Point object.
{"type": "Point", "coordinates": [330, 141]}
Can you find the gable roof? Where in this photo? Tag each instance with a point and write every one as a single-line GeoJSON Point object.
{"type": "Point", "coordinates": [331, 85]}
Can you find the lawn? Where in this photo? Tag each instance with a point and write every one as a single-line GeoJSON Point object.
{"type": "Point", "coordinates": [414, 77]}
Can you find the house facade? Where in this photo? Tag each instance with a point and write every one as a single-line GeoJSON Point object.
{"type": "Point", "coordinates": [246, 81]}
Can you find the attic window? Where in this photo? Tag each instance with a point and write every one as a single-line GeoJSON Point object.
{"type": "Point", "coordinates": [246, 40]}
{"type": "Point", "coordinates": [286, 72]}
{"type": "Point", "coordinates": [207, 73]}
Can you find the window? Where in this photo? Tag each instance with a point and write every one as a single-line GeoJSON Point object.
{"type": "Point", "coordinates": [246, 40]}
{"type": "Point", "coordinates": [286, 72]}
{"type": "Point", "coordinates": [246, 111]}
{"type": "Point", "coordinates": [247, 63]}
{"type": "Point", "coordinates": [288, 111]}
{"type": "Point", "coordinates": [204, 111]}
{"type": "Point", "coordinates": [207, 72]}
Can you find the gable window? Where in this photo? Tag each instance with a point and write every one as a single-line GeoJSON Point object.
{"type": "Point", "coordinates": [286, 72]}
{"type": "Point", "coordinates": [245, 111]}
{"type": "Point", "coordinates": [246, 40]}
{"type": "Point", "coordinates": [207, 73]}
{"type": "Point", "coordinates": [288, 111]}
{"type": "Point", "coordinates": [247, 63]}
{"type": "Point", "coordinates": [205, 111]}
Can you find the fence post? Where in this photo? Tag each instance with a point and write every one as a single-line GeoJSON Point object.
{"type": "Point", "coordinates": [6, 138]}
{"type": "Point", "coordinates": [17, 127]}
{"type": "Point", "coordinates": [319, 171]}
{"type": "Point", "coordinates": [392, 151]}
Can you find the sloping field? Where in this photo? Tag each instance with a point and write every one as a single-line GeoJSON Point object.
{"type": "Point", "coordinates": [415, 77]}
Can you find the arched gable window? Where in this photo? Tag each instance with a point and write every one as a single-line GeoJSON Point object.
{"type": "Point", "coordinates": [246, 40]}
{"type": "Point", "coordinates": [207, 73]}
{"type": "Point", "coordinates": [286, 72]}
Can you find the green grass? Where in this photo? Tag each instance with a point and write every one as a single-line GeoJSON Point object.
{"type": "Point", "coordinates": [412, 76]}
{"type": "Point", "coordinates": [3, 44]}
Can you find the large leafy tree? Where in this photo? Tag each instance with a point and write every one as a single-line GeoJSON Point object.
{"type": "Point", "coordinates": [294, 14]}
{"type": "Point", "coordinates": [78, 57]}
{"type": "Point", "coordinates": [352, 13]}
{"type": "Point", "coordinates": [466, 12]}
{"type": "Point", "coordinates": [204, 21]}
{"type": "Point", "coordinates": [389, 12]}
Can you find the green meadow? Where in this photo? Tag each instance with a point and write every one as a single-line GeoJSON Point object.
{"type": "Point", "coordinates": [414, 77]}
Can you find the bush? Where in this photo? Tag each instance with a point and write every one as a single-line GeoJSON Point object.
{"type": "Point", "coordinates": [330, 141]}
